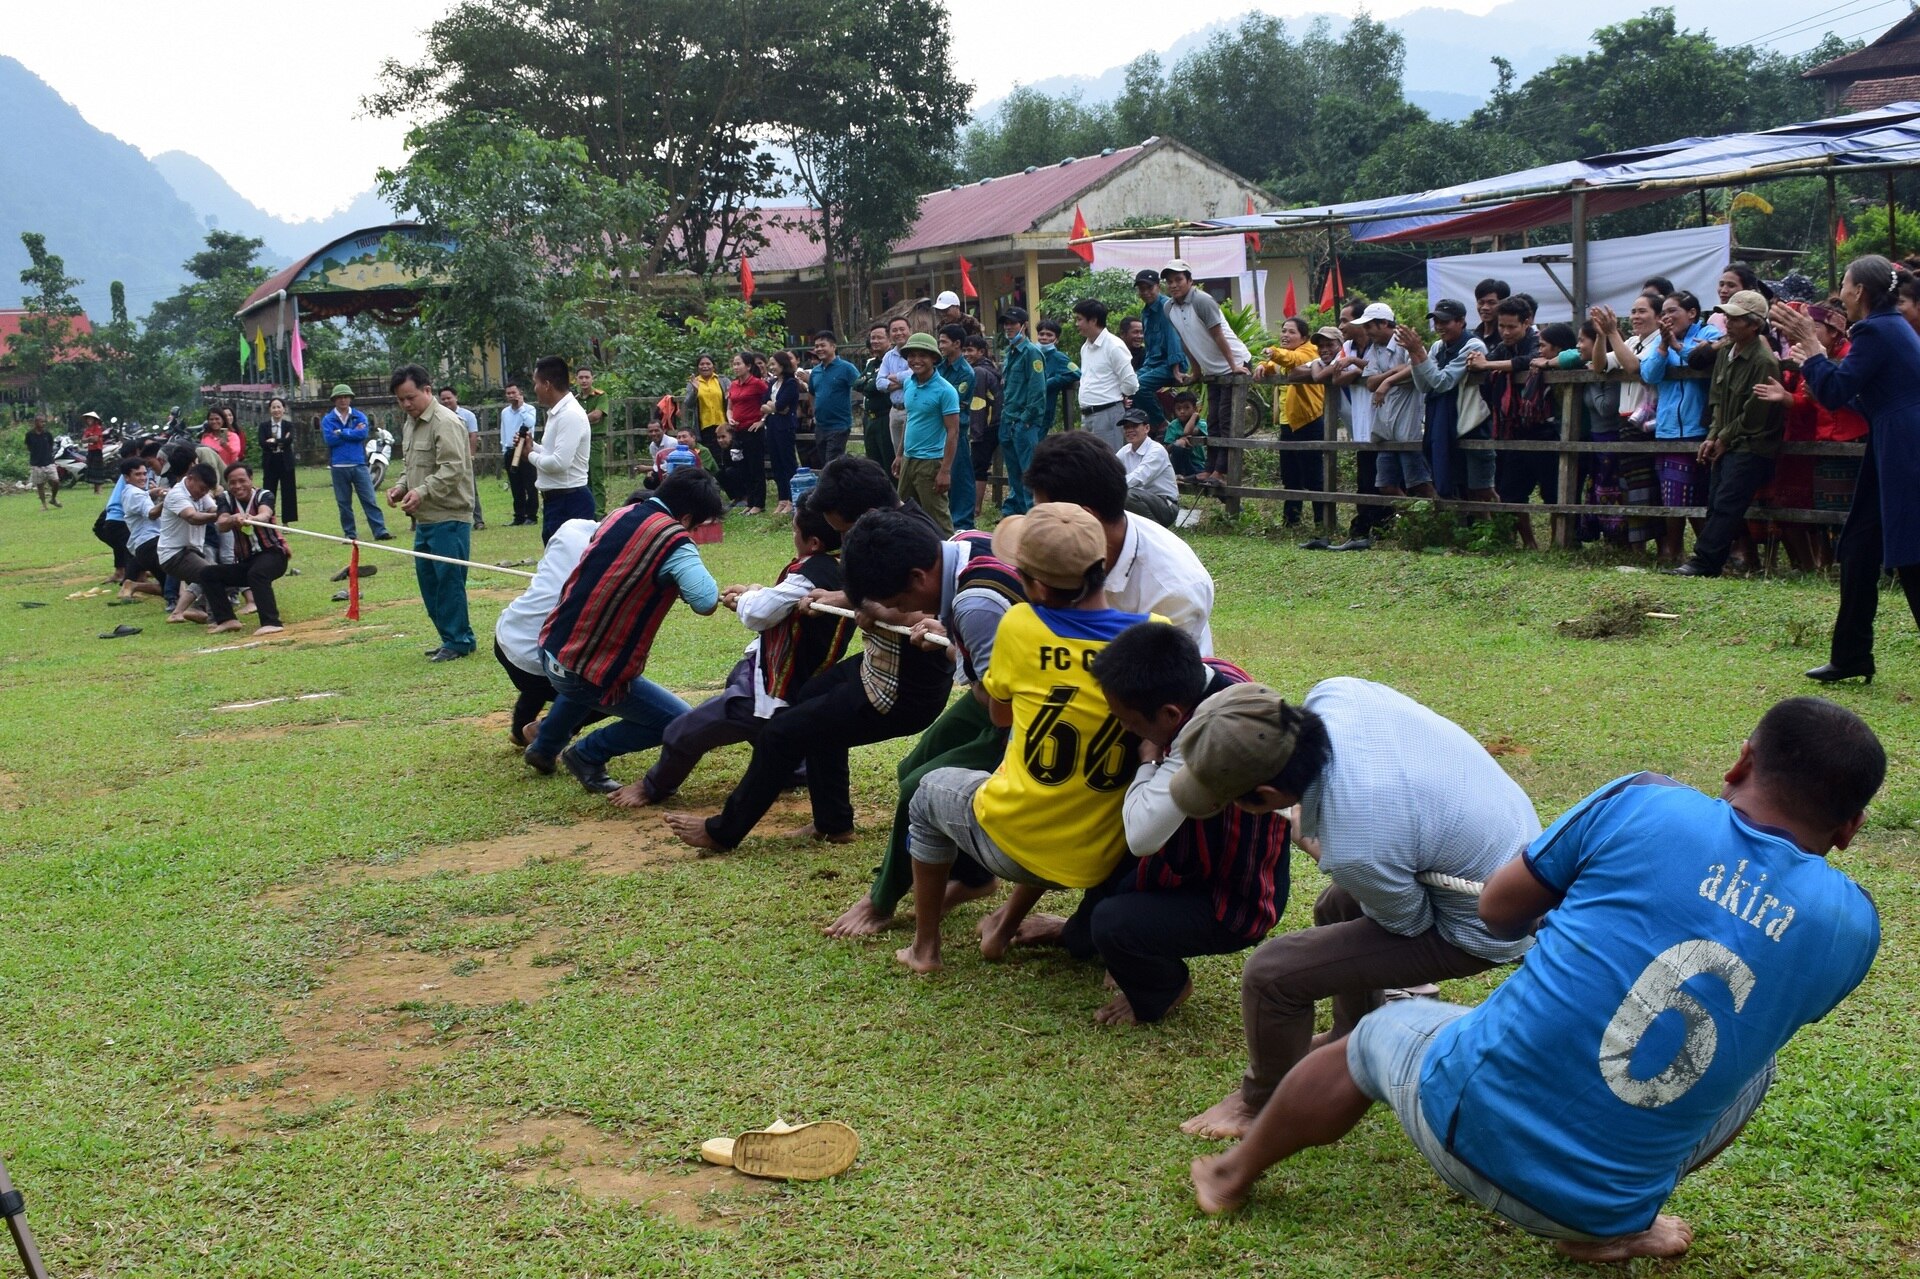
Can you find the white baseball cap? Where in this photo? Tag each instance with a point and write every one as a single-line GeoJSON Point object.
{"type": "Point", "coordinates": [945, 300]}
{"type": "Point", "coordinates": [1377, 311]}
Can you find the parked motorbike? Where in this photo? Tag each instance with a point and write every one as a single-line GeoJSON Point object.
{"type": "Point", "coordinates": [379, 454]}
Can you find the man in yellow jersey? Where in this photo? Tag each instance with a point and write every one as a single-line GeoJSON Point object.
{"type": "Point", "coordinates": [1049, 815]}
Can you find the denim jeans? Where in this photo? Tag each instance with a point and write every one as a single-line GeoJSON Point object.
{"type": "Point", "coordinates": [347, 481]}
{"type": "Point", "coordinates": [640, 718]}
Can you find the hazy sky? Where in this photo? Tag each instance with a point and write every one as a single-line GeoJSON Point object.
{"type": "Point", "coordinates": [277, 108]}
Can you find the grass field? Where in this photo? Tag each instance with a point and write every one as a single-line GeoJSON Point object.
{"type": "Point", "coordinates": [337, 987]}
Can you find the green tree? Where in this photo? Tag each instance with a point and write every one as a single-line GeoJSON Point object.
{"type": "Point", "coordinates": [1032, 128]}
{"type": "Point", "coordinates": [197, 323]}
{"type": "Point", "coordinates": [46, 352]}
{"type": "Point", "coordinates": [865, 151]}
{"type": "Point", "coordinates": [530, 241]}
{"type": "Point", "coordinates": [1115, 288]}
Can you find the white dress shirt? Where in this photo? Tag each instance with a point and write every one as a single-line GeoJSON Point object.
{"type": "Point", "coordinates": [1149, 468]}
{"type": "Point", "coordinates": [1106, 370]}
{"type": "Point", "coordinates": [512, 419]}
{"type": "Point", "coordinates": [762, 610]}
{"type": "Point", "coordinates": [560, 458]}
{"type": "Point", "coordinates": [1156, 572]}
{"type": "Point", "coordinates": [517, 631]}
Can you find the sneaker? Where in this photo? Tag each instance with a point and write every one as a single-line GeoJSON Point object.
{"type": "Point", "coordinates": [592, 776]}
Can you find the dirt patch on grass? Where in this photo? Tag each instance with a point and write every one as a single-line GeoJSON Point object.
{"type": "Point", "coordinates": [12, 793]}
{"type": "Point", "coordinates": [268, 732]}
{"type": "Point", "coordinates": [1505, 745]}
{"type": "Point", "coordinates": [1612, 613]}
{"type": "Point", "coordinates": [605, 846]}
{"type": "Point", "coordinates": [368, 1026]}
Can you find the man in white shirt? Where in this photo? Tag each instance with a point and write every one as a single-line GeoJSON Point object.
{"type": "Point", "coordinates": [516, 633]}
{"type": "Point", "coordinates": [560, 457]}
{"type": "Point", "coordinates": [1149, 569]}
{"type": "Point", "coordinates": [1151, 489]}
{"type": "Point", "coordinates": [451, 399]}
{"type": "Point", "coordinates": [518, 416]}
{"type": "Point", "coordinates": [184, 515]}
{"type": "Point", "coordinates": [1399, 410]}
{"type": "Point", "coordinates": [1107, 378]}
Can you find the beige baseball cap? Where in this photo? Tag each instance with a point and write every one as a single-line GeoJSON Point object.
{"type": "Point", "coordinates": [1747, 303]}
{"type": "Point", "coordinates": [1238, 739]}
{"type": "Point", "coordinates": [1054, 544]}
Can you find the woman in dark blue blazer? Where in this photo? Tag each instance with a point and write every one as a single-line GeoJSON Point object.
{"type": "Point", "coordinates": [1880, 377]}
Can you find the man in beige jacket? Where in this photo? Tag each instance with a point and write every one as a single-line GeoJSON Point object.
{"type": "Point", "coordinates": [436, 489]}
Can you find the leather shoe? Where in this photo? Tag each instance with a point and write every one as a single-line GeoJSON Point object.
{"type": "Point", "coordinates": [541, 764]}
{"type": "Point", "coordinates": [592, 776]}
{"type": "Point", "coordinates": [1692, 568]}
{"type": "Point", "coordinates": [447, 655]}
{"type": "Point", "coordinates": [1832, 673]}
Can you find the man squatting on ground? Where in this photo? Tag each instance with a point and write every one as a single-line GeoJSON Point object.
{"type": "Point", "coordinates": [1681, 942]}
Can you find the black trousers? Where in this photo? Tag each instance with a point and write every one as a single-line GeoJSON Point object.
{"type": "Point", "coordinates": [1145, 938]}
{"type": "Point", "coordinates": [276, 476]}
{"type": "Point", "coordinates": [192, 566]}
{"type": "Point", "coordinates": [1305, 471]}
{"type": "Point", "coordinates": [1860, 565]}
{"type": "Point", "coordinates": [752, 479]}
{"type": "Point", "coordinates": [1735, 479]}
{"type": "Point", "coordinates": [526, 498]}
{"type": "Point", "coordinates": [258, 572]}
{"type": "Point", "coordinates": [830, 716]}
{"type": "Point", "coordinates": [114, 534]}
{"type": "Point", "coordinates": [1366, 516]}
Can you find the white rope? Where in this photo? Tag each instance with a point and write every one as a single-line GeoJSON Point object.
{"type": "Point", "coordinates": [1452, 883]}
{"type": "Point", "coordinates": [393, 550]}
{"type": "Point", "coordinates": [831, 611]}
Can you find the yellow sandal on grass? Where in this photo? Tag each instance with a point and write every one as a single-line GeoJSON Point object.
{"type": "Point", "coordinates": [784, 1152]}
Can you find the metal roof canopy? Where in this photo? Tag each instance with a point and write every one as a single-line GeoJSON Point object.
{"type": "Point", "coordinates": [1570, 192]}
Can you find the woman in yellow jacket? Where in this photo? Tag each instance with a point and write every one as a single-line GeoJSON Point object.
{"type": "Point", "coordinates": [1299, 410]}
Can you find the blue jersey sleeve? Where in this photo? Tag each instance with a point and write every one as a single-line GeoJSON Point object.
{"type": "Point", "coordinates": [1560, 853]}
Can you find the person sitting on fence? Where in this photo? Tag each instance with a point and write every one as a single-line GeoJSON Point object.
{"type": "Point", "coordinates": [1745, 436]}
{"type": "Point", "coordinates": [1387, 790]}
{"type": "Point", "coordinates": [1682, 942]}
{"type": "Point", "coordinates": [1152, 490]}
{"type": "Point", "coordinates": [1162, 360]}
{"type": "Point", "coordinates": [1187, 436]}
{"type": "Point", "coordinates": [788, 650]}
{"type": "Point", "coordinates": [1209, 886]}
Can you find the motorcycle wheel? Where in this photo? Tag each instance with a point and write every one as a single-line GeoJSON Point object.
{"type": "Point", "coordinates": [377, 472]}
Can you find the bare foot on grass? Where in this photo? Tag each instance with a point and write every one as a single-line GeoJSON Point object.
{"type": "Point", "coordinates": [1040, 930]}
{"type": "Point", "coordinates": [1215, 1188]}
{"type": "Point", "coordinates": [1118, 1011]}
{"type": "Point", "coordinates": [959, 894]}
{"type": "Point", "coordinates": [268, 630]}
{"type": "Point", "coordinates": [920, 959]}
{"type": "Point", "coordinates": [1667, 1237]}
{"type": "Point", "coordinates": [810, 831]}
{"type": "Point", "coordinates": [221, 628]}
{"type": "Point", "coordinates": [691, 828]}
{"type": "Point", "coordinates": [997, 933]}
{"type": "Point", "coordinates": [862, 919]}
{"type": "Point", "coordinates": [632, 795]}
{"type": "Point", "coordinates": [1226, 1120]}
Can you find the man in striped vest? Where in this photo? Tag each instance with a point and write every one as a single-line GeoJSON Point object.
{"type": "Point", "coordinates": [260, 551]}
{"type": "Point", "coordinates": [596, 642]}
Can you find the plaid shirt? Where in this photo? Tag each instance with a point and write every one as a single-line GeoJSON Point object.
{"type": "Point", "coordinates": [1241, 857]}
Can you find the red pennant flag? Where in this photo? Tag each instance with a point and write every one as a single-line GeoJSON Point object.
{"type": "Point", "coordinates": [1840, 232]}
{"type": "Point", "coordinates": [746, 280]}
{"type": "Point", "coordinates": [353, 585]}
{"type": "Point", "coordinates": [1287, 304]}
{"type": "Point", "coordinates": [1326, 294]}
{"type": "Point", "coordinates": [1253, 237]}
{"type": "Point", "coordinates": [1082, 251]}
{"type": "Point", "coordinates": [966, 280]}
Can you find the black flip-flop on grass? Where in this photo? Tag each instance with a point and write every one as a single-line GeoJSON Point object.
{"type": "Point", "coordinates": [120, 632]}
{"type": "Point", "coordinates": [31, 604]}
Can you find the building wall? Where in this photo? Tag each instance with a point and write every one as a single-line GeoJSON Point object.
{"type": "Point", "coordinates": [1165, 182]}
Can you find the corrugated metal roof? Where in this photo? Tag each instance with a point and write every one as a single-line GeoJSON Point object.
{"type": "Point", "coordinates": [994, 208]}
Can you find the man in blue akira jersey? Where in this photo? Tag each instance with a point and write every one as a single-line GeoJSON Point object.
{"type": "Point", "coordinates": [1682, 941]}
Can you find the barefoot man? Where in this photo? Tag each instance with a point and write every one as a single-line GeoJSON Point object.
{"type": "Point", "coordinates": [1684, 941]}
{"type": "Point", "coordinates": [1049, 815]}
{"type": "Point", "coordinates": [1402, 792]}
{"type": "Point", "coordinates": [1193, 887]}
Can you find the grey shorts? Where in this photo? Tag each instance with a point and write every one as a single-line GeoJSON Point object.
{"type": "Point", "coordinates": [941, 824]}
{"type": "Point", "coordinates": [1384, 1055]}
{"type": "Point", "coordinates": [38, 475]}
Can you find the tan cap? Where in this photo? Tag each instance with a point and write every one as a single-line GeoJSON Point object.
{"type": "Point", "coordinates": [1238, 739]}
{"type": "Point", "coordinates": [1054, 544]}
{"type": "Point", "coordinates": [1746, 303]}
{"type": "Point", "coordinates": [1331, 334]}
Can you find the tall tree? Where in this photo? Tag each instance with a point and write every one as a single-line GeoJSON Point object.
{"type": "Point", "coordinates": [529, 236]}
{"type": "Point", "coordinates": [197, 322]}
{"type": "Point", "coordinates": [1029, 128]}
{"type": "Point", "coordinates": [865, 151]}
{"type": "Point", "coordinates": [48, 352]}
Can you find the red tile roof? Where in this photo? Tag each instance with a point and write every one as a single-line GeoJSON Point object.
{"type": "Point", "coordinates": [1868, 94]}
{"type": "Point", "coordinates": [10, 329]}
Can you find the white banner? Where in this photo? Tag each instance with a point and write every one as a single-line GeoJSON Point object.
{"type": "Point", "coordinates": [1692, 258]}
{"type": "Point", "coordinates": [1212, 257]}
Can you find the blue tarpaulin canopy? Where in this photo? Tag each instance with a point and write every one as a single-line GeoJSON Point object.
{"type": "Point", "coordinates": [1887, 136]}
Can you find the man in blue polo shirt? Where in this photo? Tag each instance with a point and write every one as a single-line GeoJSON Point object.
{"type": "Point", "coordinates": [830, 381]}
{"type": "Point", "coordinates": [924, 469]}
{"type": "Point", "coordinates": [1682, 941]}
